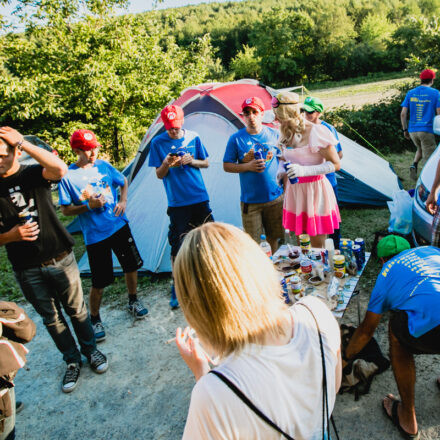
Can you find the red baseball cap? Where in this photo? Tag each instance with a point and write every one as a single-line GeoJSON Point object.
{"type": "Point", "coordinates": [172, 116]}
{"type": "Point", "coordinates": [84, 140]}
{"type": "Point", "coordinates": [255, 102]}
{"type": "Point", "coordinates": [427, 74]}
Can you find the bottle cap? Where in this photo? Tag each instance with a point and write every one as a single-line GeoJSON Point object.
{"type": "Point", "coordinates": [263, 237]}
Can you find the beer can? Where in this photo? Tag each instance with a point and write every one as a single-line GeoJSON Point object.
{"type": "Point", "coordinates": [357, 252]}
{"type": "Point", "coordinates": [285, 291]}
{"type": "Point", "coordinates": [361, 242]}
{"type": "Point", "coordinates": [25, 217]}
{"type": "Point", "coordinates": [258, 155]}
{"type": "Point", "coordinates": [292, 180]}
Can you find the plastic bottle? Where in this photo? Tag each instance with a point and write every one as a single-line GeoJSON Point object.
{"type": "Point", "coordinates": [288, 242]}
{"type": "Point", "coordinates": [330, 248]}
{"type": "Point", "coordinates": [265, 246]}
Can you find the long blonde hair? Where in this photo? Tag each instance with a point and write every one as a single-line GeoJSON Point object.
{"type": "Point", "coordinates": [228, 289]}
{"type": "Point", "coordinates": [290, 118]}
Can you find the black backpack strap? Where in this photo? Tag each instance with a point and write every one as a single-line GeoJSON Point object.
{"type": "Point", "coordinates": [245, 400]}
{"type": "Point", "coordinates": [325, 411]}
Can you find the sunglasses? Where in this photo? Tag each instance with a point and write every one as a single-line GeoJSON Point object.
{"type": "Point", "coordinates": [275, 103]}
{"type": "Point", "coordinates": [308, 112]}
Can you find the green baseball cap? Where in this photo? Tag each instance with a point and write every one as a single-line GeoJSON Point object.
{"type": "Point", "coordinates": [391, 245]}
{"type": "Point", "coordinates": [312, 104]}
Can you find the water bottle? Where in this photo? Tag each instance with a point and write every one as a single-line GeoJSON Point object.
{"type": "Point", "coordinates": [265, 246]}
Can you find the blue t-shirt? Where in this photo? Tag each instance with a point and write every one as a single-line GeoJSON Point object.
{"type": "Point", "coordinates": [256, 187]}
{"type": "Point", "coordinates": [80, 184]}
{"type": "Point", "coordinates": [411, 282]}
{"type": "Point", "coordinates": [184, 185]}
{"type": "Point", "coordinates": [422, 103]}
{"type": "Point", "coordinates": [332, 176]}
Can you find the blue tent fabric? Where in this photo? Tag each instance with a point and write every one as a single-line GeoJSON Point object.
{"type": "Point", "coordinates": [364, 179]}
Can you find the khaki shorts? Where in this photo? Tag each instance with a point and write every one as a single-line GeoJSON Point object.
{"type": "Point", "coordinates": [263, 218]}
{"type": "Point", "coordinates": [425, 143]}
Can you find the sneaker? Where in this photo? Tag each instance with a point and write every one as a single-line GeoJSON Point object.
{"type": "Point", "coordinates": [98, 330]}
{"type": "Point", "coordinates": [137, 309]}
{"type": "Point", "coordinates": [98, 362]}
{"type": "Point", "coordinates": [70, 379]}
{"type": "Point", "coordinates": [413, 171]}
{"type": "Point", "coordinates": [174, 304]}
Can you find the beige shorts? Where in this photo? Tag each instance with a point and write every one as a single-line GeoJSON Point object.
{"type": "Point", "coordinates": [425, 143]}
{"type": "Point", "coordinates": [263, 218]}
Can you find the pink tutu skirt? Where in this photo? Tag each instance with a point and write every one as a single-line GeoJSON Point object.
{"type": "Point", "coordinates": [310, 207]}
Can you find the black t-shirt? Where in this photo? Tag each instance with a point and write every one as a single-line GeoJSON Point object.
{"type": "Point", "coordinates": [27, 191]}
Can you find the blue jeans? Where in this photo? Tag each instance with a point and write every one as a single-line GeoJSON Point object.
{"type": "Point", "coordinates": [50, 287]}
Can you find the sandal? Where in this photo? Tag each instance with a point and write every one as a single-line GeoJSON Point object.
{"type": "Point", "coordinates": [394, 417]}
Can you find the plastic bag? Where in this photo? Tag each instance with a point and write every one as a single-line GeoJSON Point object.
{"type": "Point", "coordinates": [436, 124]}
{"type": "Point", "coordinates": [400, 213]}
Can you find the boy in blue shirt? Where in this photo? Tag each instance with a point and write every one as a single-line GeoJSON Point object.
{"type": "Point", "coordinates": [409, 287]}
{"type": "Point", "coordinates": [423, 104]}
{"type": "Point", "coordinates": [313, 108]}
{"type": "Point", "coordinates": [261, 196]}
{"type": "Point", "coordinates": [178, 155]}
{"type": "Point", "coordinates": [89, 190]}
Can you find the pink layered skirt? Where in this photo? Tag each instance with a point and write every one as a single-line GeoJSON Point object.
{"type": "Point", "coordinates": [310, 207]}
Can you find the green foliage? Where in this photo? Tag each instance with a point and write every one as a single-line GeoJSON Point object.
{"type": "Point", "coordinates": [111, 75]}
{"type": "Point", "coordinates": [246, 64]}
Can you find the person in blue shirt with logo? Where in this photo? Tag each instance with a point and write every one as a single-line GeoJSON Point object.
{"type": "Point", "coordinates": [433, 206]}
{"type": "Point", "coordinates": [408, 286]}
{"type": "Point", "coordinates": [423, 103]}
{"type": "Point", "coordinates": [178, 155]}
{"type": "Point", "coordinates": [261, 196]}
{"type": "Point", "coordinates": [313, 108]}
{"type": "Point", "coordinates": [89, 190]}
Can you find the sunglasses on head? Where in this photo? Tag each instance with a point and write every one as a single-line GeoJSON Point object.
{"type": "Point", "coordinates": [276, 103]}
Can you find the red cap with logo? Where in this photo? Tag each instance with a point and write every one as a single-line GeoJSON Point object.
{"type": "Point", "coordinates": [84, 140]}
{"type": "Point", "coordinates": [172, 116]}
{"type": "Point", "coordinates": [427, 74]}
{"type": "Point", "coordinates": [255, 102]}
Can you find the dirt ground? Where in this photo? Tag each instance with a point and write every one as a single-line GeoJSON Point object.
{"type": "Point", "coordinates": [146, 391]}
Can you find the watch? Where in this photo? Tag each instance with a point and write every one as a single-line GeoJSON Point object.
{"type": "Point", "coordinates": [19, 144]}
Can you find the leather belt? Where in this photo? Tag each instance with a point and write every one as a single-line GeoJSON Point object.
{"type": "Point", "coordinates": [54, 260]}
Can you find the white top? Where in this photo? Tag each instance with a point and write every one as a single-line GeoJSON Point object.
{"type": "Point", "coordinates": [284, 382]}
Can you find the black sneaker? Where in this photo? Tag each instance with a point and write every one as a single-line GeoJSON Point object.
{"type": "Point", "coordinates": [70, 379]}
{"type": "Point", "coordinates": [98, 362]}
{"type": "Point", "coordinates": [99, 331]}
{"type": "Point", "coordinates": [137, 309]}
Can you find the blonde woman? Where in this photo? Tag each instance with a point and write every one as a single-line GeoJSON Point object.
{"type": "Point", "coordinates": [230, 295]}
{"type": "Point", "coordinates": [310, 204]}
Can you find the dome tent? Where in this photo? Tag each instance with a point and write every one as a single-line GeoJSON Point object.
{"type": "Point", "coordinates": [213, 111]}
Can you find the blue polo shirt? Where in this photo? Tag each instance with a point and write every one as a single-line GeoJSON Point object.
{"type": "Point", "coordinates": [183, 185]}
{"type": "Point", "coordinates": [256, 187]}
{"type": "Point", "coordinates": [422, 103]}
{"type": "Point", "coordinates": [411, 282]}
{"type": "Point", "coordinates": [332, 176]}
{"type": "Point", "coordinates": [80, 184]}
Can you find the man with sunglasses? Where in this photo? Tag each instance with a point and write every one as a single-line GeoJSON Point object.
{"type": "Point", "coordinates": [89, 190]}
{"type": "Point", "coordinates": [261, 196]}
{"type": "Point", "coordinates": [313, 108]}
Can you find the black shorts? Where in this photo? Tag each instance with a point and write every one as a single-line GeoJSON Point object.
{"type": "Point", "coordinates": [185, 218]}
{"type": "Point", "coordinates": [429, 343]}
{"type": "Point", "coordinates": [101, 261]}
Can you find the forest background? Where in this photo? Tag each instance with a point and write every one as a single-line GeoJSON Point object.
{"type": "Point", "coordinates": [77, 65]}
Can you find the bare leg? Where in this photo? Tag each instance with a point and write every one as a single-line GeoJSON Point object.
{"type": "Point", "coordinates": [131, 279]}
{"type": "Point", "coordinates": [405, 374]}
{"type": "Point", "coordinates": [418, 155]}
{"type": "Point", "coordinates": [95, 299]}
{"type": "Point", "coordinates": [318, 241]}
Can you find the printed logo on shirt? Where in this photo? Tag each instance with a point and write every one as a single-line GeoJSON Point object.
{"type": "Point", "coordinates": [26, 210]}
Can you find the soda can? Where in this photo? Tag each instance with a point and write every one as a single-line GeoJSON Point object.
{"type": "Point", "coordinates": [258, 155]}
{"type": "Point", "coordinates": [357, 252]}
{"type": "Point", "coordinates": [361, 242]}
{"type": "Point", "coordinates": [324, 256]}
{"type": "Point", "coordinates": [292, 180]}
{"type": "Point", "coordinates": [306, 266]}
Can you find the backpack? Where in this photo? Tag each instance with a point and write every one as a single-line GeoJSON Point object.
{"type": "Point", "coordinates": [360, 371]}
